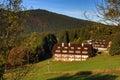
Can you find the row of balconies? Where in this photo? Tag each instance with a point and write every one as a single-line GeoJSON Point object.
{"type": "Point", "coordinates": [69, 59]}
{"type": "Point", "coordinates": [71, 56]}
{"type": "Point", "coordinates": [72, 51]}
{"type": "Point", "coordinates": [72, 48]}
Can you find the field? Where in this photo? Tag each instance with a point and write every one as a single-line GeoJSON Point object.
{"type": "Point", "coordinates": [101, 67]}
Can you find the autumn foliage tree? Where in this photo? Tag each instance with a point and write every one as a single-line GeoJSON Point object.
{"type": "Point", "coordinates": [17, 56]}
{"type": "Point", "coordinates": [34, 45]}
{"type": "Point", "coordinates": [12, 20]}
{"type": "Point", "coordinates": [115, 47]}
{"type": "Point", "coordinates": [39, 46]}
{"type": "Point", "coordinates": [109, 11]}
{"type": "Point", "coordinates": [2, 63]}
{"type": "Point", "coordinates": [12, 23]}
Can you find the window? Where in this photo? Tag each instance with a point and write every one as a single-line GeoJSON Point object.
{"type": "Point", "coordinates": [57, 51]}
{"type": "Point", "coordinates": [72, 47]}
{"type": "Point", "coordinates": [78, 47]}
{"type": "Point", "coordinates": [85, 48]}
{"type": "Point", "coordinates": [71, 51]}
{"type": "Point", "coordinates": [64, 51]}
{"type": "Point", "coordinates": [65, 47]}
{"type": "Point", "coordinates": [77, 52]}
{"type": "Point", "coordinates": [85, 52]}
{"type": "Point", "coordinates": [58, 47]}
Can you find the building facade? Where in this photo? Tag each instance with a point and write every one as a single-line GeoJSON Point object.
{"type": "Point", "coordinates": [72, 52]}
{"type": "Point", "coordinates": [99, 44]}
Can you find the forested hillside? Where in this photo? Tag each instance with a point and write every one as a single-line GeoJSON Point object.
{"type": "Point", "coordinates": [42, 20]}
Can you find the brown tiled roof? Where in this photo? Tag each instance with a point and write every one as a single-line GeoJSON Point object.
{"type": "Point", "coordinates": [71, 47]}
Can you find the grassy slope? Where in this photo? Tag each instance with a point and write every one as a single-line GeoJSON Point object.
{"type": "Point", "coordinates": [101, 62]}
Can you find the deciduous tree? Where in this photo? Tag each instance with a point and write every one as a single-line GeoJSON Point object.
{"type": "Point", "coordinates": [115, 47]}
{"type": "Point", "coordinates": [12, 20]}
{"type": "Point", "coordinates": [109, 11]}
{"type": "Point", "coordinates": [12, 23]}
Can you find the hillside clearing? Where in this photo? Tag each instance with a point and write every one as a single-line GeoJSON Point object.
{"type": "Point", "coordinates": [101, 67]}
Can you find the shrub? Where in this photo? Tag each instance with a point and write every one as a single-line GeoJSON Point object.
{"type": "Point", "coordinates": [115, 46]}
{"type": "Point", "coordinates": [37, 56]}
{"type": "Point", "coordinates": [17, 56]}
{"type": "Point", "coordinates": [2, 63]}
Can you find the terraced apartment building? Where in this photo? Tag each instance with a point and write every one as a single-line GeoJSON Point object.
{"type": "Point", "coordinates": [72, 52]}
{"type": "Point", "coordinates": [78, 52]}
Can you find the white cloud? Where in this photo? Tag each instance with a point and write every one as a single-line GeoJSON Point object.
{"type": "Point", "coordinates": [81, 14]}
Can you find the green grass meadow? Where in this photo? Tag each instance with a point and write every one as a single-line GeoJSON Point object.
{"type": "Point", "coordinates": [101, 67]}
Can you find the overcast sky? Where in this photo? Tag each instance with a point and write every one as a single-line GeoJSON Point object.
{"type": "Point", "coordinates": [73, 8]}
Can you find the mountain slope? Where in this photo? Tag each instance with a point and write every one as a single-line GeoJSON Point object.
{"type": "Point", "coordinates": [42, 20]}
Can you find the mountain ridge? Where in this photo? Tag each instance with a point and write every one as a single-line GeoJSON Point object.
{"type": "Point", "coordinates": [42, 20]}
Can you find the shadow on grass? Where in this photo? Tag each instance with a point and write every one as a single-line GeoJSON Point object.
{"type": "Point", "coordinates": [86, 76]}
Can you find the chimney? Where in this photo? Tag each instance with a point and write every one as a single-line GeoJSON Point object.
{"type": "Point", "coordinates": [62, 44]}
{"type": "Point", "coordinates": [82, 44]}
{"type": "Point", "coordinates": [69, 44]}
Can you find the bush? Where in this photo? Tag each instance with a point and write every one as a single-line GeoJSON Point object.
{"type": "Point", "coordinates": [2, 67]}
{"type": "Point", "coordinates": [17, 56]}
{"type": "Point", "coordinates": [115, 46]}
{"type": "Point", "coordinates": [37, 56]}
